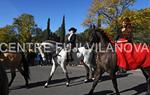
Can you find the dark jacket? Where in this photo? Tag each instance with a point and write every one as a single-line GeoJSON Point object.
{"type": "Point", "coordinates": [127, 35]}
{"type": "Point", "coordinates": [72, 40]}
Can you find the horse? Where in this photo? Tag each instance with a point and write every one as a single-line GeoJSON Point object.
{"type": "Point", "coordinates": [107, 62]}
{"type": "Point", "coordinates": [61, 58]}
{"type": "Point", "coordinates": [81, 54]}
{"type": "Point", "coordinates": [3, 81]}
{"type": "Point", "coordinates": [16, 60]}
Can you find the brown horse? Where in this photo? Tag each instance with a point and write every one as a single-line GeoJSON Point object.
{"type": "Point", "coordinates": [15, 61]}
{"type": "Point", "coordinates": [107, 62]}
{"type": "Point", "coordinates": [3, 81]}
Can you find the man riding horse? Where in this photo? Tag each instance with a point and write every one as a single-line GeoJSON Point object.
{"type": "Point", "coordinates": [125, 35]}
{"type": "Point", "coordinates": [71, 41]}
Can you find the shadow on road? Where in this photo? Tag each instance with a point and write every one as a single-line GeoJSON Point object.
{"type": "Point", "coordinates": [60, 82]}
{"type": "Point", "coordinates": [107, 77]}
{"type": "Point", "coordinates": [53, 83]}
{"type": "Point", "coordinates": [106, 92]}
{"type": "Point", "coordinates": [64, 80]}
{"type": "Point", "coordinates": [77, 83]}
{"type": "Point", "coordinates": [139, 89]}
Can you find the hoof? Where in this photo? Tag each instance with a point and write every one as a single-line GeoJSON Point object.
{"type": "Point", "coordinates": [46, 85]}
{"type": "Point", "coordinates": [86, 80]}
{"type": "Point", "coordinates": [26, 84]}
{"type": "Point", "coordinates": [93, 79]}
{"type": "Point", "coordinates": [90, 93]}
{"type": "Point", "coordinates": [67, 84]}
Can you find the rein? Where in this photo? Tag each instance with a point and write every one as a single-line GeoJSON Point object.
{"type": "Point", "coordinates": [57, 54]}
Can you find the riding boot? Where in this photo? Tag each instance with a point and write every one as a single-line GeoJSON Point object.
{"type": "Point", "coordinates": [67, 57]}
{"type": "Point", "coordinates": [71, 58]}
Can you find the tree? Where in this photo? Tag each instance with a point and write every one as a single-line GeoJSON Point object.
{"type": "Point", "coordinates": [107, 11]}
{"type": "Point", "coordinates": [48, 29]}
{"type": "Point", "coordinates": [60, 32]}
{"type": "Point", "coordinates": [24, 25]}
{"type": "Point", "coordinates": [89, 21]}
{"type": "Point", "coordinates": [47, 34]}
{"type": "Point", "coordinates": [84, 36]}
{"type": "Point", "coordinates": [8, 34]}
{"type": "Point", "coordinates": [63, 31]}
{"type": "Point", "coordinates": [57, 32]}
{"type": "Point", "coordinates": [140, 20]}
{"type": "Point", "coordinates": [37, 34]}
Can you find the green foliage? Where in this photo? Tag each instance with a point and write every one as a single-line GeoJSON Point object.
{"type": "Point", "coordinates": [60, 32]}
{"type": "Point", "coordinates": [112, 12]}
{"type": "Point", "coordinates": [84, 36]}
{"type": "Point", "coordinates": [48, 29]}
{"type": "Point", "coordinates": [140, 20]}
{"type": "Point", "coordinates": [38, 35]}
{"type": "Point", "coordinates": [63, 31]}
{"type": "Point", "coordinates": [106, 10]}
{"type": "Point", "coordinates": [7, 34]}
{"type": "Point", "coordinates": [24, 25]}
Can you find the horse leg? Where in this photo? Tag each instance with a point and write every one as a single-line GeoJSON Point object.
{"type": "Point", "coordinates": [147, 71]}
{"type": "Point", "coordinates": [23, 74]}
{"type": "Point", "coordinates": [148, 87]}
{"type": "Point", "coordinates": [3, 81]}
{"type": "Point", "coordinates": [114, 81]}
{"type": "Point", "coordinates": [144, 73]}
{"type": "Point", "coordinates": [92, 69]}
{"type": "Point", "coordinates": [63, 66]}
{"type": "Point", "coordinates": [13, 74]}
{"type": "Point", "coordinates": [87, 72]}
{"type": "Point", "coordinates": [97, 76]}
{"type": "Point", "coordinates": [54, 66]}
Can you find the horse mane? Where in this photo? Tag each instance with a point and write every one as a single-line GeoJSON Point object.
{"type": "Point", "coordinates": [104, 35]}
{"type": "Point", "coordinates": [50, 41]}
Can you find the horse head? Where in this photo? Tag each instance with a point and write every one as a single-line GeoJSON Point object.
{"type": "Point", "coordinates": [99, 36]}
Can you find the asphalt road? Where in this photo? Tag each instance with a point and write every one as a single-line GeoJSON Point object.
{"type": "Point", "coordinates": [132, 83]}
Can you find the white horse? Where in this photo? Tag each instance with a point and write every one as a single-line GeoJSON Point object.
{"type": "Point", "coordinates": [78, 54]}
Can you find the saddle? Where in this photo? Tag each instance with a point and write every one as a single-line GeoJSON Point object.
{"type": "Point", "coordinates": [70, 55]}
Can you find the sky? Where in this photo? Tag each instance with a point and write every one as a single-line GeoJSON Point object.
{"type": "Point", "coordinates": [75, 11]}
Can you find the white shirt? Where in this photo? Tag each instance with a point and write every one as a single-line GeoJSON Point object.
{"type": "Point", "coordinates": [71, 33]}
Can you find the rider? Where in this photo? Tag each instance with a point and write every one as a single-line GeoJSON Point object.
{"type": "Point", "coordinates": [125, 34]}
{"type": "Point", "coordinates": [72, 40]}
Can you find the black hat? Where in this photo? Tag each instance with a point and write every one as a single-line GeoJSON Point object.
{"type": "Point", "coordinates": [73, 29]}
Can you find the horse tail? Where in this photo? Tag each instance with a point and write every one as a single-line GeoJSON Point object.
{"type": "Point", "coordinates": [25, 66]}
